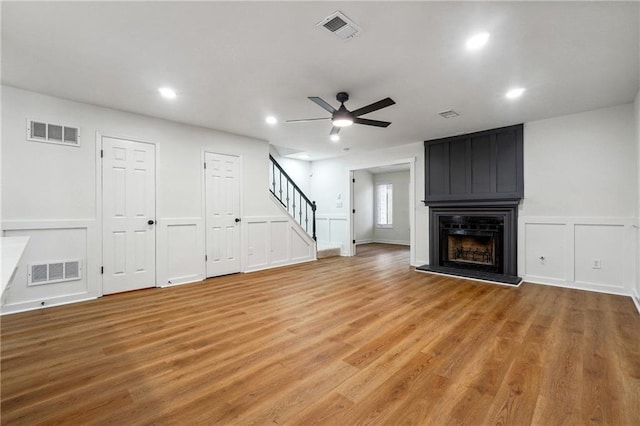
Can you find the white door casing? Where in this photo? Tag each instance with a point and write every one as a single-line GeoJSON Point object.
{"type": "Point", "coordinates": [128, 215]}
{"type": "Point", "coordinates": [222, 217]}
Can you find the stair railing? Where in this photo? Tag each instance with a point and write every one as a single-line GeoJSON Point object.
{"type": "Point", "coordinates": [292, 198]}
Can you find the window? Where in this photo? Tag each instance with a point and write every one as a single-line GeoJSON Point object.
{"type": "Point", "coordinates": [384, 205]}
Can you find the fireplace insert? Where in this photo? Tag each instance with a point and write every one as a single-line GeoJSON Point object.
{"type": "Point", "coordinates": [476, 240]}
{"type": "Point", "coordinates": [472, 242]}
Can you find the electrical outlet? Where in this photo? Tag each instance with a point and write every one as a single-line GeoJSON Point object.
{"type": "Point", "coordinates": [541, 260]}
{"type": "Point", "coordinates": [597, 264]}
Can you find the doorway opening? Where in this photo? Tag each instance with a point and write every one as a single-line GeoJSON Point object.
{"type": "Point", "coordinates": [382, 206]}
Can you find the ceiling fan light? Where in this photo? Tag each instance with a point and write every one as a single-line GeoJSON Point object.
{"type": "Point", "coordinates": [342, 122]}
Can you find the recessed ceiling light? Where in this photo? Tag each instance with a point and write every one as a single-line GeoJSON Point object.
{"type": "Point", "coordinates": [271, 120]}
{"type": "Point", "coordinates": [335, 138]}
{"type": "Point", "coordinates": [167, 92]}
{"type": "Point", "coordinates": [515, 93]}
{"type": "Point", "coordinates": [477, 41]}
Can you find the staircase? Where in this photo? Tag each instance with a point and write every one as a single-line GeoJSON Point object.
{"type": "Point", "coordinates": [298, 205]}
{"type": "Point", "coordinates": [294, 201]}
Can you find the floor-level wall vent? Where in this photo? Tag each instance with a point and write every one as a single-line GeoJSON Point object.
{"type": "Point", "coordinates": [54, 272]}
{"type": "Point", "coordinates": [61, 134]}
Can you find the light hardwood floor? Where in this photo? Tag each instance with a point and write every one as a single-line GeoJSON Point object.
{"type": "Point", "coordinates": [341, 341]}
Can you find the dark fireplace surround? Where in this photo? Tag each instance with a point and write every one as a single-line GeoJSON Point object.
{"type": "Point", "coordinates": [473, 185]}
{"type": "Point", "coordinates": [475, 240]}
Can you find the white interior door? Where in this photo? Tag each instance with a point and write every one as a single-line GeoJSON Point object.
{"type": "Point", "coordinates": [128, 212]}
{"type": "Point", "coordinates": [222, 187]}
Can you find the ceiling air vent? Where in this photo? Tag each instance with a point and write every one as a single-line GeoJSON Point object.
{"type": "Point", "coordinates": [341, 26]}
{"type": "Point", "coordinates": [40, 131]}
{"type": "Point", "coordinates": [448, 114]}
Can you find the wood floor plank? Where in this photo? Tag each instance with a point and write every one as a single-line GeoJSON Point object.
{"type": "Point", "coordinates": [341, 341]}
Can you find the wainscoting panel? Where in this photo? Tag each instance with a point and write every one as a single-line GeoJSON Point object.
{"type": "Point", "coordinates": [596, 254]}
{"type": "Point", "coordinates": [53, 242]}
{"type": "Point", "coordinates": [300, 248]}
{"type": "Point", "coordinates": [275, 241]}
{"type": "Point", "coordinates": [332, 229]}
{"type": "Point", "coordinates": [181, 251]}
{"type": "Point", "coordinates": [257, 243]}
{"type": "Point", "coordinates": [279, 248]}
{"type": "Point", "coordinates": [545, 252]}
{"type": "Point", "coordinates": [600, 252]}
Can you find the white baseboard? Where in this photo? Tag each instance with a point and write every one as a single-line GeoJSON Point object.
{"type": "Point", "coordinates": [636, 299]}
{"type": "Point", "coordinates": [184, 280]}
{"type": "Point", "coordinates": [396, 242]}
{"type": "Point", "coordinates": [34, 305]}
{"type": "Point", "coordinates": [577, 286]}
{"type": "Point", "coordinates": [274, 266]}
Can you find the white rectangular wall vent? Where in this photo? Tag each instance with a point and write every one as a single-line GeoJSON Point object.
{"type": "Point", "coordinates": [54, 272]}
{"type": "Point", "coordinates": [340, 25]}
{"type": "Point", "coordinates": [41, 131]}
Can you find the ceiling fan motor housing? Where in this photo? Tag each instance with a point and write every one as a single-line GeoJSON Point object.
{"type": "Point", "coordinates": [342, 97]}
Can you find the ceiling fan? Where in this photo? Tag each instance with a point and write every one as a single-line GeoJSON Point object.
{"type": "Point", "coordinates": [342, 117]}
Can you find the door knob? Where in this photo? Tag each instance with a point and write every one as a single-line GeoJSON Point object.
{"type": "Point", "coordinates": [150, 222]}
{"type": "Point", "coordinates": [237, 219]}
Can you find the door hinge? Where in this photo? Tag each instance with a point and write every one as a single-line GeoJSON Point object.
{"type": "Point", "coordinates": [353, 180]}
{"type": "Point", "coordinates": [354, 211]}
{"type": "Point", "coordinates": [206, 257]}
{"type": "Point", "coordinates": [354, 241]}
{"type": "Point", "coordinates": [205, 165]}
{"type": "Point", "coordinates": [102, 269]}
{"type": "Point", "coordinates": [101, 153]}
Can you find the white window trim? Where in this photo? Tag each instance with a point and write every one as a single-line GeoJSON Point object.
{"type": "Point", "coordinates": [383, 225]}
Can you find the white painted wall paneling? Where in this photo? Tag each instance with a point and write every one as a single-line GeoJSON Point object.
{"type": "Point", "coordinates": [60, 187]}
{"type": "Point", "coordinates": [53, 241]}
{"type": "Point", "coordinates": [275, 241]}
{"type": "Point", "coordinates": [333, 230]}
{"type": "Point", "coordinates": [584, 253]}
{"type": "Point", "coordinates": [181, 259]}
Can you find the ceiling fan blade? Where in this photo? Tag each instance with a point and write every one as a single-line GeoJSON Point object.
{"type": "Point", "coordinates": [334, 131]}
{"type": "Point", "coordinates": [321, 102]}
{"type": "Point", "coordinates": [368, 122]}
{"type": "Point", "coordinates": [373, 107]}
{"type": "Point", "coordinates": [304, 120]}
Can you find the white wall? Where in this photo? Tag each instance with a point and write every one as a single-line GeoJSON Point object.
{"type": "Point", "coordinates": [298, 170]}
{"type": "Point", "coordinates": [581, 192]}
{"type": "Point", "coordinates": [399, 232]}
{"type": "Point", "coordinates": [49, 191]}
{"type": "Point", "coordinates": [330, 185]}
{"type": "Point", "coordinates": [636, 109]}
{"type": "Point", "coordinates": [581, 198]}
{"type": "Point", "coordinates": [363, 203]}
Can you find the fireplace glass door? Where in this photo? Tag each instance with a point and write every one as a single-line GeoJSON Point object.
{"type": "Point", "coordinates": [471, 242]}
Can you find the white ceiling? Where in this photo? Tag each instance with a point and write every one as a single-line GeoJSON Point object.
{"type": "Point", "coordinates": [233, 63]}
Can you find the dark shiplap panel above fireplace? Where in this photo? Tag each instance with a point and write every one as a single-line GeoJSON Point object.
{"type": "Point", "coordinates": [481, 166]}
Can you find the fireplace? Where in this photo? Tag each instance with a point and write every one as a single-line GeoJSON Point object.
{"type": "Point", "coordinates": [474, 240]}
{"type": "Point", "coordinates": [471, 242]}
